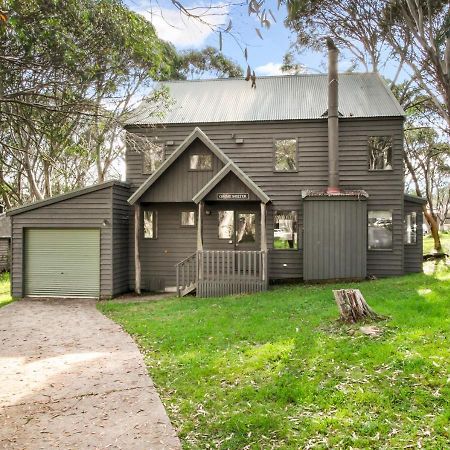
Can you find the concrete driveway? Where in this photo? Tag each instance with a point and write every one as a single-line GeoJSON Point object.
{"type": "Point", "coordinates": [71, 378]}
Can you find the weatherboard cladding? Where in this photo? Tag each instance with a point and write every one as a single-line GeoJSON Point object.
{"type": "Point", "coordinates": [255, 158]}
{"type": "Point", "coordinates": [121, 216]}
{"type": "Point", "coordinates": [290, 97]}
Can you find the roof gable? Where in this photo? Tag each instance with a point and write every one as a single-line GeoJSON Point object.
{"type": "Point", "coordinates": [231, 168]}
{"type": "Point", "coordinates": [196, 134]}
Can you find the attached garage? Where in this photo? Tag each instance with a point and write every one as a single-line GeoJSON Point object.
{"type": "Point", "coordinates": [72, 245]}
{"type": "Point", "coordinates": [62, 262]}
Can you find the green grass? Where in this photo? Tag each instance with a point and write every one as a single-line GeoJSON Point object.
{"type": "Point", "coordinates": [5, 294]}
{"type": "Point", "coordinates": [428, 243]}
{"type": "Point", "coordinates": [275, 370]}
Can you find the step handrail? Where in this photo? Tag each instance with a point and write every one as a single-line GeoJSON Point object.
{"type": "Point", "coordinates": [183, 279]}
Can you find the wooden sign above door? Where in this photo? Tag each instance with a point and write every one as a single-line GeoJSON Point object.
{"type": "Point", "coordinates": [232, 196]}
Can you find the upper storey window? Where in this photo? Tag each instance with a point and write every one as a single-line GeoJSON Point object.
{"type": "Point", "coordinates": [285, 157]}
{"type": "Point", "coordinates": [152, 157]}
{"type": "Point", "coordinates": [380, 153]}
{"type": "Point", "coordinates": [200, 162]}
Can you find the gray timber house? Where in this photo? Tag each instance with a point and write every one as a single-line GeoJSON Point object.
{"type": "Point", "coordinates": [235, 187]}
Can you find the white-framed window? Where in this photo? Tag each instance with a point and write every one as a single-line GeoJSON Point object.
{"type": "Point", "coordinates": [411, 228]}
{"type": "Point", "coordinates": [380, 152]}
{"type": "Point", "coordinates": [200, 162]}
{"type": "Point", "coordinates": [150, 224]}
{"type": "Point", "coordinates": [188, 218]}
{"type": "Point", "coordinates": [285, 230]}
{"type": "Point", "coordinates": [285, 155]}
{"type": "Point", "coordinates": [379, 230]}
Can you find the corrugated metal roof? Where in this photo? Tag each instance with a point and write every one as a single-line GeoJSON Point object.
{"type": "Point", "coordinates": [290, 97]}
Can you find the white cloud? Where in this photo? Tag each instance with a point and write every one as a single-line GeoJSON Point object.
{"type": "Point", "coordinates": [182, 31]}
{"type": "Point", "coordinates": [269, 69]}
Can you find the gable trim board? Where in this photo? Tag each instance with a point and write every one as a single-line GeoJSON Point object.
{"type": "Point", "coordinates": [230, 167]}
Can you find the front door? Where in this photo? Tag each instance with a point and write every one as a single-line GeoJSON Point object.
{"type": "Point", "coordinates": [238, 227]}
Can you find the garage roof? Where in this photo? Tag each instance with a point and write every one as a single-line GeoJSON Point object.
{"type": "Point", "coordinates": [289, 97]}
{"type": "Point", "coordinates": [66, 196]}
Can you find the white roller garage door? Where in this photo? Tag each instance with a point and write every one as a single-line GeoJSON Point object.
{"type": "Point", "coordinates": [62, 262]}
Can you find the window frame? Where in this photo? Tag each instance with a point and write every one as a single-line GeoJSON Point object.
{"type": "Point", "coordinates": [297, 151]}
{"type": "Point", "coordinates": [181, 218]}
{"type": "Point", "coordinates": [392, 152]}
{"type": "Point", "coordinates": [391, 249]}
{"type": "Point", "coordinates": [143, 154]}
{"type": "Point", "coordinates": [297, 228]}
{"type": "Point", "coordinates": [411, 244]}
{"type": "Point", "coordinates": [201, 170]}
{"type": "Point", "coordinates": [154, 224]}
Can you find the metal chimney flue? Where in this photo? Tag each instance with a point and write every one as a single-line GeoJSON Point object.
{"type": "Point", "coordinates": [333, 119]}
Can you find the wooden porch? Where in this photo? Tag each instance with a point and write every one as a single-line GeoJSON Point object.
{"type": "Point", "coordinates": [215, 273]}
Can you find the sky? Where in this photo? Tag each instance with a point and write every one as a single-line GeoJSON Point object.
{"type": "Point", "coordinates": [264, 55]}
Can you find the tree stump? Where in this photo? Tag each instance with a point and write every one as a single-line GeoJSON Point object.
{"type": "Point", "coordinates": [353, 307]}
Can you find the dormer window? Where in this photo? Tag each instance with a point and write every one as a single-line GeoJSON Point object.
{"type": "Point", "coordinates": [380, 153]}
{"type": "Point", "coordinates": [152, 157]}
{"type": "Point", "coordinates": [200, 162]}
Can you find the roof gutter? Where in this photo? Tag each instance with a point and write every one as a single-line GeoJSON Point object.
{"type": "Point", "coordinates": [333, 119]}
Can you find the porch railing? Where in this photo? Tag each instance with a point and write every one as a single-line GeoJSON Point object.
{"type": "Point", "coordinates": [215, 273]}
{"type": "Point", "coordinates": [225, 272]}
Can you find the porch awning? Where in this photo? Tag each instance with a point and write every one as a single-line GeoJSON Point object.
{"type": "Point", "coordinates": [231, 167]}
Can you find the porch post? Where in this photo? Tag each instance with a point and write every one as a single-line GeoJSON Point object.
{"type": "Point", "coordinates": [199, 227]}
{"type": "Point", "coordinates": [137, 257]}
{"type": "Point", "coordinates": [263, 228]}
{"type": "Point", "coordinates": [200, 242]}
{"type": "Point", "coordinates": [264, 242]}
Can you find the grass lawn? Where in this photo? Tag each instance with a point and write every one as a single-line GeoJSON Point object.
{"type": "Point", "coordinates": [428, 243]}
{"type": "Point", "coordinates": [5, 294]}
{"type": "Point", "coordinates": [275, 370]}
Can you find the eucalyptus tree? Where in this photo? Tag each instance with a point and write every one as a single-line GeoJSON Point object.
{"type": "Point", "coordinates": [69, 71]}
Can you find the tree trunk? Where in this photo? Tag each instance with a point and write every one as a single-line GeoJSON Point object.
{"type": "Point", "coordinates": [432, 222]}
{"type": "Point", "coordinates": [434, 228]}
{"type": "Point", "coordinates": [352, 306]}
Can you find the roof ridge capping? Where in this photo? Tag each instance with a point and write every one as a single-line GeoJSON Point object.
{"type": "Point", "coordinates": [265, 77]}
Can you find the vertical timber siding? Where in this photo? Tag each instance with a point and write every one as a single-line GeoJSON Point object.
{"type": "Point", "coordinates": [255, 157]}
{"type": "Point", "coordinates": [121, 212]}
{"type": "Point", "coordinates": [89, 210]}
{"type": "Point", "coordinates": [335, 239]}
{"type": "Point", "coordinates": [414, 252]}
